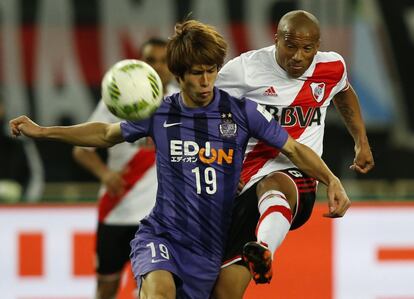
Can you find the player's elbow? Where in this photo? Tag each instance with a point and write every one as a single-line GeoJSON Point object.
{"type": "Point", "coordinates": [112, 135]}
{"type": "Point", "coordinates": [291, 148]}
{"type": "Point", "coordinates": [78, 153]}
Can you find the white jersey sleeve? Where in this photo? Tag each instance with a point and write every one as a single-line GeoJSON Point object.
{"type": "Point", "coordinates": [343, 84]}
{"type": "Point", "coordinates": [231, 78]}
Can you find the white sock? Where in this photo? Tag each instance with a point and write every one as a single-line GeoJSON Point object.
{"type": "Point", "coordinates": [275, 219]}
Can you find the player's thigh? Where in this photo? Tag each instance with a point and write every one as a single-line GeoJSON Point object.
{"type": "Point", "coordinates": [232, 282]}
{"type": "Point", "coordinates": [112, 247]}
{"type": "Point", "coordinates": [157, 284]}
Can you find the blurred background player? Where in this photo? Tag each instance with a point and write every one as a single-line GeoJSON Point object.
{"type": "Point", "coordinates": [129, 184]}
{"type": "Point", "coordinates": [296, 82]}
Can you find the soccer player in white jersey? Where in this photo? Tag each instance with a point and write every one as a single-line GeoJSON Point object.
{"type": "Point", "coordinates": [296, 82]}
{"type": "Point", "coordinates": [129, 184]}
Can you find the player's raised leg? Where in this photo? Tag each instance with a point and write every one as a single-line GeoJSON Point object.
{"type": "Point", "coordinates": [277, 195]}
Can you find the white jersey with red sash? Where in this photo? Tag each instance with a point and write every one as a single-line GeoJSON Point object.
{"type": "Point", "coordinates": [137, 165]}
{"type": "Point", "coordinates": [136, 162]}
{"type": "Point", "coordinates": [299, 104]}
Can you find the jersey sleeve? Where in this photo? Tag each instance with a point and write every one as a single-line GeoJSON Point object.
{"type": "Point", "coordinates": [134, 130]}
{"type": "Point", "coordinates": [231, 77]}
{"type": "Point", "coordinates": [343, 84]}
{"type": "Point", "coordinates": [263, 125]}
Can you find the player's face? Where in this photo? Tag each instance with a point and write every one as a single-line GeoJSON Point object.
{"type": "Point", "coordinates": [295, 51]}
{"type": "Point", "coordinates": [197, 85]}
{"type": "Point", "coordinates": [156, 56]}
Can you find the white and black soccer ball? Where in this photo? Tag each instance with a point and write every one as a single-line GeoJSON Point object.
{"type": "Point", "coordinates": [132, 89]}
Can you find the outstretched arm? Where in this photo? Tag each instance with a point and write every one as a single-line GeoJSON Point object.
{"type": "Point", "coordinates": [309, 162]}
{"type": "Point", "coordinates": [94, 134]}
{"type": "Point", "coordinates": [347, 104]}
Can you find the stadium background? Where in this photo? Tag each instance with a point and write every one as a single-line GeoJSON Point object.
{"type": "Point", "coordinates": [53, 54]}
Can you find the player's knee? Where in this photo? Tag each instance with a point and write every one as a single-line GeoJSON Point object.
{"type": "Point", "coordinates": [279, 182]}
{"type": "Point", "coordinates": [304, 214]}
{"type": "Point", "coordinates": [232, 282]}
{"type": "Point", "coordinates": [159, 292]}
{"type": "Point", "coordinates": [158, 285]}
{"type": "Point", "coordinates": [107, 286]}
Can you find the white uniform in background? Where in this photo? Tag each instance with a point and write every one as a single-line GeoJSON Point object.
{"type": "Point", "coordinates": [138, 164]}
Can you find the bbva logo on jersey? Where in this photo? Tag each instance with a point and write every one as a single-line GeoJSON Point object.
{"type": "Point", "coordinates": [318, 91]}
{"type": "Point", "coordinates": [296, 115]}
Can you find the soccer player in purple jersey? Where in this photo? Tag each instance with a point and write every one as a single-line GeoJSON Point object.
{"type": "Point", "coordinates": [200, 136]}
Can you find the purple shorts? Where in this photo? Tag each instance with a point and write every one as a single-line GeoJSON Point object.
{"type": "Point", "coordinates": [194, 275]}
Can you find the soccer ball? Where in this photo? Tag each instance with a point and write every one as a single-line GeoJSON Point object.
{"type": "Point", "coordinates": [132, 90]}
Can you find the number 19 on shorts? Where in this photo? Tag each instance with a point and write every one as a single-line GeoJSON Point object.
{"type": "Point", "coordinates": [208, 175]}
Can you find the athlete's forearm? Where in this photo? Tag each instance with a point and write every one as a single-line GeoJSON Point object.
{"type": "Point", "coordinates": [347, 104]}
{"type": "Point", "coordinates": [94, 134]}
{"type": "Point", "coordinates": [308, 161]}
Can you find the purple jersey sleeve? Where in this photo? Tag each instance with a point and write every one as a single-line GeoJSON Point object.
{"type": "Point", "coordinates": [263, 126]}
{"type": "Point", "coordinates": [134, 130]}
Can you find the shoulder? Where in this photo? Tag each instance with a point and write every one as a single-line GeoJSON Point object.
{"type": "Point", "coordinates": [259, 54]}
{"type": "Point", "coordinates": [329, 65]}
{"type": "Point", "coordinates": [253, 57]}
{"type": "Point", "coordinates": [237, 103]}
{"type": "Point", "coordinates": [170, 101]}
{"type": "Point", "coordinates": [242, 71]}
{"type": "Point", "coordinates": [330, 57]}
{"type": "Point", "coordinates": [172, 88]}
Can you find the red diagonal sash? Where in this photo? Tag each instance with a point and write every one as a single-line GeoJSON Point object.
{"type": "Point", "coordinates": [143, 160]}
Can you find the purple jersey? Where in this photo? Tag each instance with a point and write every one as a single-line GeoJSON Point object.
{"type": "Point", "coordinates": [199, 158]}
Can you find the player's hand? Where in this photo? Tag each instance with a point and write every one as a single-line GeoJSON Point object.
{"type": "Point", "coordinates": [149, 143]}
{"type": "Point", "coordinates": [114, 183]}
{"type": "Point", "coordinates": [338, 201]}
{"type": "Point", "coordinates": [24, 125]}
{"type": "Point", "coordinates": [363, 161]}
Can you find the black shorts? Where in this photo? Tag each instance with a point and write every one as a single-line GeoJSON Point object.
{"type": "Point", "coordinates": [246, 214]}
{"type": "Point", "coordinates": [112, 247]}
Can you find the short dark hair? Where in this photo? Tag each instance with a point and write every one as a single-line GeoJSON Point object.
{"type": "Point", "coordinates": [194, 43]}
{"type": "Point", "coordinates": [153, 41]}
